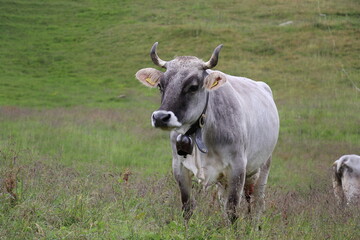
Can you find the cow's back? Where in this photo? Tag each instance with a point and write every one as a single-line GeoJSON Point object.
{"type": "Point", "coordinates": [256, 120]}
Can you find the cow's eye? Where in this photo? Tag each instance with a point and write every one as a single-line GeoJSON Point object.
{"type": "Point", "coordinates": [160, 88]}
{"type": "Point", "coordinates": [193, 88]}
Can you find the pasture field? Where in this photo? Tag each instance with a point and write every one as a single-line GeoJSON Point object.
{"type": "Point", "coordinates": [79, 158]}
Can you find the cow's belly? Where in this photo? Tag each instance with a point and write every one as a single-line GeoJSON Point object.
{"type": "Point", "coordinates": [206, 169]}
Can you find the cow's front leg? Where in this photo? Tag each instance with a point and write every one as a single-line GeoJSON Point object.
{"type": "Point", "coordinates": [183, 177]}
{"type": "Point", "coordinates": [236, 185]}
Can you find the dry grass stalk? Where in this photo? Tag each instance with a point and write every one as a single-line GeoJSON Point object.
{"type": "Point", "coordinates": [10, 183]}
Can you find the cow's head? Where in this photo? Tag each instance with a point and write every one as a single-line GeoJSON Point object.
{"type": "Point", "coordinates": [183, 87]}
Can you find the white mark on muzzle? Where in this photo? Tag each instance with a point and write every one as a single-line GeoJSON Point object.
{"type": "Point", "coordinates": [165, 119]}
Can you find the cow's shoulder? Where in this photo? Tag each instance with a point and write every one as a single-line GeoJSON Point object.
{"type": "Point", "coordinates": [246, 86]}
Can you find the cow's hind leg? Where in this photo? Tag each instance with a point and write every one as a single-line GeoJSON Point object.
{"type": "Point", "coordinates": [183, 177]}
{"type": "Point", "coordinates": [249, 188]}
{"type": "Point", "coordinates": [259, 191]}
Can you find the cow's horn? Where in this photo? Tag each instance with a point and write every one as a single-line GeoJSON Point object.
{"type": "Point", "coordinates": [214, 58]}
{"type": "Point", "coordinates": [155, 58]}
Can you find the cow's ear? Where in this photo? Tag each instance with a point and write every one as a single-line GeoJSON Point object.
{"type": "Point", "coordinates": [214, 80]}
{"type": "Point", "coordinates": [150, 77]}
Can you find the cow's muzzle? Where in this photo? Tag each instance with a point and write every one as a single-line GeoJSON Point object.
{"type": "Point", "coordinates": [164, 119]}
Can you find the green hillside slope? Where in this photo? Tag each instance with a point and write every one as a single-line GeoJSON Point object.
{"type": "Point", "coordinates": [61, 53]}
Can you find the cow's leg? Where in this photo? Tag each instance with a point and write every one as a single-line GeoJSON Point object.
{"type": "Point", "coordinates": [183, 178]}
{"type": "Point", "coordinates": [236, 182]}
{"type": "Point", "coordinates": [249, 188]}
{"type": "Point", "coordinates": [222, 196]}
{"type": "Point", "coordinates": [259, 190]}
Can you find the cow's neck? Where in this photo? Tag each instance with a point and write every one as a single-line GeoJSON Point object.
{"type": "Point", "coordinates": [197, 127]}
{"type": "Point", "coordinates": [185, 142]}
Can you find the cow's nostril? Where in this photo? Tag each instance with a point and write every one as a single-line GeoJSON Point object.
{"type": "Point", "coordinates": [161, 118]}
{"type": "Point", "coordinates": [165, 118]}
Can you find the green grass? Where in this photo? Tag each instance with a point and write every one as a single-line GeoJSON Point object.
{"type": "Point", "coordinates": [74, 120]}
{"type": "Point", "coordinates": [81, 136]}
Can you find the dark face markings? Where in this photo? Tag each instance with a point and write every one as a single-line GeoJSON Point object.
{"type": "Point", "coordinates": [191, 85]}
{"type": "Point", "coordinates": [161, 88]}
{"type": "Point", "coordinates": [179, 89]}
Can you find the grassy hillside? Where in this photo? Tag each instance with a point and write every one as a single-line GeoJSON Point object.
{"type": "Point", "coordinates": [74, 121]}
{"type": "Point", "coordinates": [62, 53]}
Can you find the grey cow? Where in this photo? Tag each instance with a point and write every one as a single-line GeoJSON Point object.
{"type": "Point", "coordinates": [223, 129]}
{"type": "Point", "coordinates": [346, 180]}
